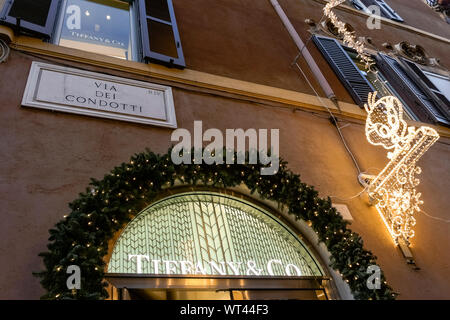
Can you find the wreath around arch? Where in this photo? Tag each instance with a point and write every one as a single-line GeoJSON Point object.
{"type": "Point", "coordinates": [82, 237]}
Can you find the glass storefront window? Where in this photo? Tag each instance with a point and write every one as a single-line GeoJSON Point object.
{"type": "Point", "coordinates": [218, 234]}
{"type": "Point", "coordinates": [100, 26]}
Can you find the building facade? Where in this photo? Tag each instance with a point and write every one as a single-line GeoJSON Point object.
{"type": "Point", "coordinates": [86, 84]}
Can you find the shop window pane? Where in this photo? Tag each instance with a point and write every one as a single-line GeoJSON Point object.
{"type": "Point", "coordinates": [162, 39]}
{"type": "Point", "coordinates": [101, 26]}
{"type": "Point", "coordinates": [31, 10]}
{"type": "Point", "coordinates": [158, 9]}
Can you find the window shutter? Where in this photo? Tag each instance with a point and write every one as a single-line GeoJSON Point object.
{"type": "Point", "coordinates": [37, 17]}
{"type": "Point", "coordinates": [427, 86]}
{"type": "Point", "coordinates": [351, 77]}
{"type": "Point", "coordinates": [159, 31]}
{"type": "Point", "coordinates": [369, 3]}
{"type": "Point", "coordinates": [386, 10]}
{"type": "Point", "coordinates": [421, 104]}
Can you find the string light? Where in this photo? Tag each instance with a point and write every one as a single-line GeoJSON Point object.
{"type": "Point", "coordinates": [393, 190]}
{"type": "Point", "coordinates": [349, 37]}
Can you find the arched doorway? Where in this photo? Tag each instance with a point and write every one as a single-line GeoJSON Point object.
{"type": "Point", "coordinates": [210, 245]}
{"type": "Point", "coordinates": [83, 237]}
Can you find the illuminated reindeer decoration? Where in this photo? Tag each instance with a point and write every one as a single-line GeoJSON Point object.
{"type": "Point", "coordinates": [393, 190]}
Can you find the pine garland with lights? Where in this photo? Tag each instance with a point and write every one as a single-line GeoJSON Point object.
{"type": "Point", "coordinates": [82, 237]}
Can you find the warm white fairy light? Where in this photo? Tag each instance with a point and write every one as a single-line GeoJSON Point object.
{"type": "Point", "coordinates": [349, 37]}
{"type": "Point", "coordinates": [393, 189]}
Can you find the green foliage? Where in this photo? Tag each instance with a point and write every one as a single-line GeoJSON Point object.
{"type": "Point", "coordinates": [107, 205]}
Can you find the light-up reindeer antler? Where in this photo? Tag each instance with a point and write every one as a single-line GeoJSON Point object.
{"type": "Point", "coordinates": [385, 125]}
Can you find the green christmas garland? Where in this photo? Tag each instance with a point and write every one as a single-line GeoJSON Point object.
{"type": "Point", "coordinates": [81, 238]}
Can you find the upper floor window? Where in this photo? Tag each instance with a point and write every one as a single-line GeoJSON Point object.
{"type": "Point", "coordinates": [442, 6]}
{"type": "Point", "coordinates": [141, 30]}
{"type": "Point", "coordinates": [441, 84]}
{"type": "Point", "coordinates": [97, 26]}
{"type": "Point", "coordinates": [159, 30]}
{"type": "Point", "coordinates": [426, 100]}
{"type": "Point", "coordinates": [378, 81]}
{"type": "Point", "coordinates": [423, 93]}
{"type": "Point", "coordinates": [31, 16]}
{"type": "Point", "coordinates": [385, 10]}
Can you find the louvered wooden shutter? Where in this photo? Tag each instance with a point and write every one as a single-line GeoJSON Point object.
{"type": "Point", "coordinates": [428, 87]}
{"type": "Point", "coordinates": [160, 38]}
{"type": "Point", "coordinates": [386, 10]}
{"type": "Point", "coordinates": [344, 67]}
{"type": "Point", "coordinates": [421, 104]}
{"type": "Point", "coordinates": [369, 3]}
{"type": "Point", "coordinates": [34, 16]}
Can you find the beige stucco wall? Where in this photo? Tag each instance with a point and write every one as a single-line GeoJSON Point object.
{"type": "Point", "coordinates": [47, 159]}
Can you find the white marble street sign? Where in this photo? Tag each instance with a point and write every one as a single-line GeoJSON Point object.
{"type": "Point", "coordinates": [94, 94]}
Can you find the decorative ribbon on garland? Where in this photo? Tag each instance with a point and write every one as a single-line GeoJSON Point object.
{"type": "Point", "coordinates": [82, 237]}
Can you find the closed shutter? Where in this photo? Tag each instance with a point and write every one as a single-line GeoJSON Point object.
{"type": "Point", "coordinates": [159, 31]}
{"type": "Point", "coordinates": [386, 10]}
{"type": "Point", "coordinates": [34, 16]}
{"type": "Point", "coordinates": [369, 3]}
{"type": "Point", "coordinates": [424, 107]}
{"type": "Point", "coordinates": [349, 74]}
{"type": "Point", "coordinates": [427, 86]}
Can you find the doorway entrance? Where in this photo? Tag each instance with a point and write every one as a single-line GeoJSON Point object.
{"type": "Point", "coordinates": [127, 287]}
{"type": "Point", "coordinates": [212, 246]}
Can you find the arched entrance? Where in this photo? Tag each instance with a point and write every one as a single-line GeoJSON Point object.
{"type": "Point", "coordinates": [83, 236]}
{"type": "Point", "coordinates": [209, 245]}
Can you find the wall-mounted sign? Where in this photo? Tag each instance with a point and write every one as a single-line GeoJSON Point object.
{"type": "Point", "coordinates": [249, 268]}
{"type": "Point", "coordinates": [82, 92]}
{"type": "Point", "coordinates": [201, 233]}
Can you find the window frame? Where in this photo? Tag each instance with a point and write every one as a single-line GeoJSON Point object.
{"type": "Point", "coordinates": [439, 76]}
{"type": "Point", "coordinates": [393, 15]}
{"type": "Point", "coordinates": [426, 85]}
{"type": "Point", "coordinates": [345, 81]}
{"type": "Point", "coordinates": [45, 31]}
{"type": "Point", "coordinates": [388, 86]}
{"type": "Point", "coordinates": [150, 55]}
{"type": "Point", "coordinates": [386, 10]}
{"type": "Point", "coordinates": [134, 30]}
{"type": "Point", "coordinates": [425, 106]}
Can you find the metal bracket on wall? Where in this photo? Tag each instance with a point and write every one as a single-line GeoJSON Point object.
{"type": "Point", "coordinates": [407, 254]}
